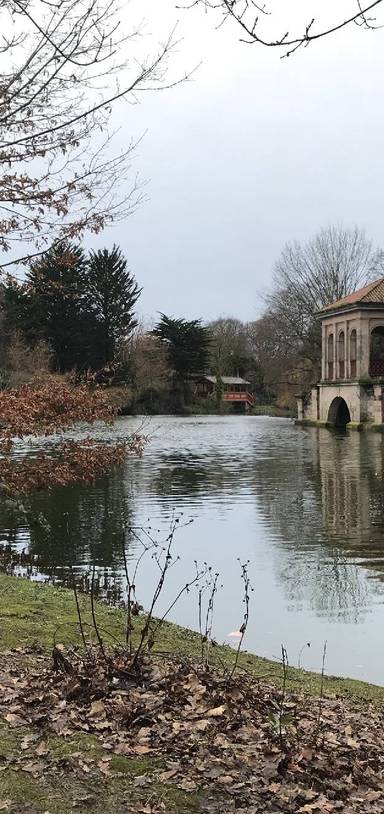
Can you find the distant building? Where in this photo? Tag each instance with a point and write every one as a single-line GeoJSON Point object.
{"type": "Point", "coordinates": [234, 390]}
{"type": "Point", "coordinates": [351, 390]}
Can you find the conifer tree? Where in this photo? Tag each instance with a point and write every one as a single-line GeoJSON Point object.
{"type": "Point", "coordinates": [112, 293]}
{"type": "Point", "coordinates": [188, 344]}
{"type": "Point", "coordinates": [54, 306]}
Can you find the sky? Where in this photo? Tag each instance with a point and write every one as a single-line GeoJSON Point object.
{"type": "Point", "coordinates": [252, 152]}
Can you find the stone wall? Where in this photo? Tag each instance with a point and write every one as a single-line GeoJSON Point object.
{"type": "Point", "coordinates": [364, 402]}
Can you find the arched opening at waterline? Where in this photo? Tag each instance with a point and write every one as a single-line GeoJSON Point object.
{"type": "Point", "coordinates": [338, 413]}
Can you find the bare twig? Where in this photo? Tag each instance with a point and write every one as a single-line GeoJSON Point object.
{"type": "Point", "coordinates": [321, 696]}
{"type": "Point", "coordinates": [130, 588]}
{"type": "Point", "coordinates": [95, 625]}
{"type": "Point", "coordinates": [78, 607]}
{"type": "Point", "coordinates": [247, 589]}
{"type": "Point", "coordinates": [247, 15]}
{"type": "Point", "coordinates": [284, 661]}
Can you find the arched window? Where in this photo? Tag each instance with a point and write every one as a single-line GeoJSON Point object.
{"type": "Point", "coordinates": [341, 354]}
{"type": "Point", "coordinates": [352, 354]}
{"type": "Point", "coordinates": [376, 355]}
{"type": "Point", "coordinates": [330, 356]}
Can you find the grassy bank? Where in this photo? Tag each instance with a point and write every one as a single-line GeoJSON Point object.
{"type": "Point", "coordinates": [273, 411]}
{"type": "Point", "coordinates": [45, 771]}
{"type": "Point", "coordinates": [32, 613]}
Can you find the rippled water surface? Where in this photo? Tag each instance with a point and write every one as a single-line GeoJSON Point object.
{"type": "Point", "coordinates": [305, 506]}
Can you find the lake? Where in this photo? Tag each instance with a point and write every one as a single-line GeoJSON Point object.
{"type": "Point", "coordinates": [304, 505]}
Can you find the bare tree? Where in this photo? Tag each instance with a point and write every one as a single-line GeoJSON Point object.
{"type": "Point", "coordinates": [250, 16]}
{"type": "Point", "coordinates": [229, 349]}
{"type": "Point", "coordinates": [147, 360]}
{"type": "Point", "coordinates": [65, 63]}
{"type": "Point", "coordinates": [274, 351]}
{"type": "Point", "coordinates": [308, 276]}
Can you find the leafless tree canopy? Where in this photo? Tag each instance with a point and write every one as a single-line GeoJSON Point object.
{"type": "Point", "coordinates": [64, 64]}
{"type": "Point", "coordinates": [252, 18]}
{"type": "Point", "coordinates": [308, 276]}
{"type": "Point", "coordinates": [229, 345]}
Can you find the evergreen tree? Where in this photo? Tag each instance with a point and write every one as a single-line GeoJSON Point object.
{"type": "Point", "coordinates": [188, 344]}
{"type": "Point", "coordinates": [112, 293]}
{"type": "Point", "coordinates": [54, 306]}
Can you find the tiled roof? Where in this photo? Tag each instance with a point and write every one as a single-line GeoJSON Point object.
{"type": "Point", "coordinates": [373, 292]}
{"type": "Point", "coordinates": [227, 380]}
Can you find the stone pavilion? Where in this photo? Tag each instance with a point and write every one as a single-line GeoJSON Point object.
{"type": "Point", "coordinates": [351, 390]}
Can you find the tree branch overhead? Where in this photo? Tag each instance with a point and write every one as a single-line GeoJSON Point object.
{"type": "Point", "coordinates": [63, 72]}
{"type": "Point", "coordinates": [248, 15]}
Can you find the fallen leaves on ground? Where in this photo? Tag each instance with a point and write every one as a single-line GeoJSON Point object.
{"type": "Point", "coordinates": [244, 746]}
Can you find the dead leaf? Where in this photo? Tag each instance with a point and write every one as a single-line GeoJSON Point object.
{"type": "Point", "coordinates": [41, 749]}
{"type": "Point", "coordinates": [97, 710]}
{"type": "Point", "coordinates": [216, 712]}
{"type": "Point", "coordinates": [141, 750]}
{"type": "Point", "coordinates": [225, 780]}
{"type": "Point", "coordinates": [168, 775]}
{"type": "Point", "coordinates": [187, 785]}
{"type": "Point", "coordinates": [14, 720]}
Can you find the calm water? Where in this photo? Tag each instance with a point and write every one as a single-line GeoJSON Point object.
{"type": "Point", "coordinates": [305, 506]}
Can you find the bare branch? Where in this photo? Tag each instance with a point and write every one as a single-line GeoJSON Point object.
{"type": "Point", "coordinates": [72, 61]}
{"type": "Point", "coordinates": [242, 12]}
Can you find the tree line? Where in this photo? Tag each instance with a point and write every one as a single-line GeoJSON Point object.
{"type": "Point", "coordinates": [77, 311]}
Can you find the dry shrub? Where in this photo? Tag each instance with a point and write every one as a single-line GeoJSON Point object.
{"type": "Point", "coordinates": [22, 362]}
{"type": "Point", "coordinates": [47, 406]}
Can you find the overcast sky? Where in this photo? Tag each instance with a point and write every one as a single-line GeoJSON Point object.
{"type": "Point", "coordinates": [254, 152]}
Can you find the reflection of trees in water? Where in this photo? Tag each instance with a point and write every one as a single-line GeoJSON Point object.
{"type": "Point", "coordinates": [320, 494]}
{"type": "Point", "coordinates": [75, 525]}
{"type": "Point", "coordinates": [327, 505]}
{"type": "Point", "coordinates": [334, 587]}
{"type": "Point", "coordinates": [82, 525]}
{"type": "Point", "coordinates": [185, 477]}
{"type": "Point", "coordinates": [191, 476]}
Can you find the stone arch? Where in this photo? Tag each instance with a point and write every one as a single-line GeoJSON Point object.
{"type": "Point", "coordinates": [338, 413]}
{"type": "Point", "coordinates": [376, 351]}
{"type": "Point", "coordinates": [353, 353]}
{"type": "Point", "coordinates": [341, 354]}
{"type": "Point", "coordinates": [330, 357]}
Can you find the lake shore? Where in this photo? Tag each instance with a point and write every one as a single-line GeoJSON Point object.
{"type": "Point", "coordinates": [33, 613]}
{"type": "Point", "coordinates": [181, 738]}
{"type": "Point", "coordinates": [61, 752]}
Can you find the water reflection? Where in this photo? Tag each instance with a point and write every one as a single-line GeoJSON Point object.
{"type": "Point", "coordinates": [327, 509]}
{"type": "Point", "coordinates": [305, 505]}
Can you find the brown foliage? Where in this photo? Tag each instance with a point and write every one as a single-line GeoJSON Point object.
{"type": "Point", "coordinates": [218, 737]}
{"type": "Point", "coordinates": [45, 407]}
{"type": "Point", "coordinates": [73, 462]}
{"type": "Point", "coordinates": [49, 405]}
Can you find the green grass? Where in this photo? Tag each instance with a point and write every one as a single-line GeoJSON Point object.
{"type": "Point", "coordinates": [208, 407]}
{"type": "Point", "coordinates": [58, 787]}
{"type": "Point", "coordinates": [273, 411]}
{"type": "Point", "coordinates": [32, 613]}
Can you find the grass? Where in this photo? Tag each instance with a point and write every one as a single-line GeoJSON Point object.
{"type": "Point", "coordinates": [64, 784]}
{"type": "Point", "coordinates": [273, 411]}
{"type": "Point", "coordinates": [34, 613]}
{"type": "Point", "coordinates": [208, 407]}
